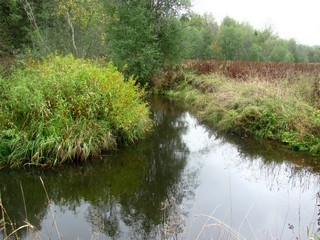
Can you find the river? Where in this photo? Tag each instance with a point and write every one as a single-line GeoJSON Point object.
{"type": "Point", "coordinates": [184, 181]}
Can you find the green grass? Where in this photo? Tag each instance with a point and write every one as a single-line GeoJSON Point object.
{"type": "Point", "coordinates": [67, 109]}
{"type": "Point", "coordinates": [285, 110]}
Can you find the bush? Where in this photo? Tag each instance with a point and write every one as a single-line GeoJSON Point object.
{"type": "Point", "coordinates": [66, 109]}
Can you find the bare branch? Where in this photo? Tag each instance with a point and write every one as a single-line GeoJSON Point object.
{"type": "Point", "coordinates": [72, 32]}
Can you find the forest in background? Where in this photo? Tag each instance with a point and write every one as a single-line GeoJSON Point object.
{"type": "Point", "coordinates": [141, 37]}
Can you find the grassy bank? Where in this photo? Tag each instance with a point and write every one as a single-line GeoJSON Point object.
{"type": "Point", "coordinates": [67, 109]}
{"type": "Point", "coordinates": [284, 109]}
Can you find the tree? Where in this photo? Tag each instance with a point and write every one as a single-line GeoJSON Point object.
{"type": "Point", "coordinates": [281, 54]}
{"type": "Point", "coordinates": [202, 33]}
{"type": "Point", "coordinates": [248, 47]}
{"type": "Point", "coordinates": [255, 54]}
{"type": "Point", "coordinates": [298, 51]}
{"type": "Point", "coordinates": [132, 39]}
{"type": "Point", "coordinates": [313, 54]}
{"type": "Point", "coordinates": [13, 25]}
{"type": "Point", "coordinates": [68, 26]}
{"type": "Point", "coordinates": [229, 39]}
{"type": "Point", "coordinates": [145, 36]}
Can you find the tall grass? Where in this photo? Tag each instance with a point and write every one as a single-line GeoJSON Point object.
{"type": "Point", "coordinates": [283, 109]}
{"type": "Point", "coordinates": [67, 109]}
{"type": "Point", "coordinates": [249, 69]}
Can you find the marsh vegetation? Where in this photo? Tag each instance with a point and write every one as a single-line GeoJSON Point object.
{"type": "Point", "coordinates": [66, 109]}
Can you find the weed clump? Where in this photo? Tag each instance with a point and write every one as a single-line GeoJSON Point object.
{"type": "Point", "coordinates": [66, 109]}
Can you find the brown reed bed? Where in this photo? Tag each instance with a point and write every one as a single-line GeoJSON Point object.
{"type": "Point", "coordinates": [251, 69]}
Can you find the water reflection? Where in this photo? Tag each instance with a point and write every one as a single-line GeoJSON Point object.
{"type": "Point", "coordinates": [276, 164]}
{"type": "Point", "coordinates": [155, 187]}
{"type": "Point", "coordinates": [243, 190]}
{"type": "Point", "coordinates": [123, 193]}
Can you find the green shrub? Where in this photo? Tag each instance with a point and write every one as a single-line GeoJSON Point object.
{"type": "Point", "coordinates": [67, 109]}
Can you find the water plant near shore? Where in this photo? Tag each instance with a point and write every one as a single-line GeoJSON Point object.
{"type": "Point", "coordinates": [67, 109]}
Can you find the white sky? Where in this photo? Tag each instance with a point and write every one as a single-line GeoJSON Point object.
{"type": "Point", "coordinates": [298, 19]}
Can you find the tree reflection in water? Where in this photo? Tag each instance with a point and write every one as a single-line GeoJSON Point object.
{"type": "Point", "coordinates": [125, 191]}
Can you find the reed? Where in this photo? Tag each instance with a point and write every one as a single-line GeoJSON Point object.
{"type": "Point", "coordinates": [8, 229]}
{"type": "Point", "coordinates": [252, 69]}
{"type": "Point", "coordinates": [173, 226]}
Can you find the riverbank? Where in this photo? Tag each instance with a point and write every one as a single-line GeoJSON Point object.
{"type": "Point", "coordinates": [283, 109]}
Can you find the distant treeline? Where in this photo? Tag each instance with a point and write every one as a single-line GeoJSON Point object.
{"type": "Point", "coordinates": [232, 40]}
{"type": "Point", "coordinates": [141, 37]}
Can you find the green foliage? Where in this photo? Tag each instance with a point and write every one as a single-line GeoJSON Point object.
{"type": "Point", "coordinates": [67, 109]}
{"type": "Point", "coordinates": [69, 26]}
{"type": "Point", "coordinates": [229, 38]}
{"type": "Point", "coordinates": [240, 41]}
{"type": "Point", "coordinates": [281, 54]}
{"type": "Point", "coordinates": [13, 25]}
{"type": "Point", "coordinates": [201, 35]}
{"type": "Point", "coordinates": [132, 40]}
{"type": "Point", "coordinates": [254, 52]}
{"type": "Point", "coordinates": [144, 36]}
{"type": "Point", "coordinates": [171, 42]}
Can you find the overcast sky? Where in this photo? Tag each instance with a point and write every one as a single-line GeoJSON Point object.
{"type": "Point", "coordinates": [298, 19]}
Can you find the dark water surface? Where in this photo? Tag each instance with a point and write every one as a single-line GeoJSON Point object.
{"type": "Point", "coordinates": [183, 182]}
